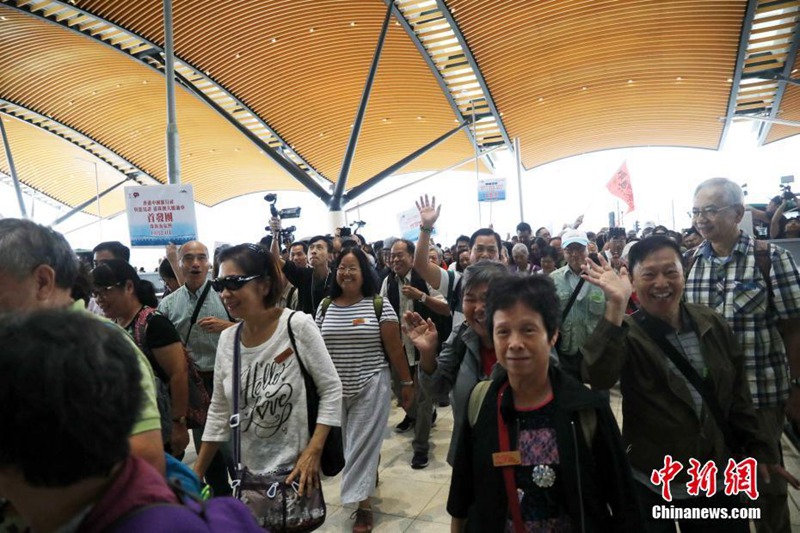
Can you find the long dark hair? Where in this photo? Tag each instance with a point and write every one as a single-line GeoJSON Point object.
{"type": "Point", "coordinates": [368, 287]}
{"type": "Point", "coordinates": [117, 271]}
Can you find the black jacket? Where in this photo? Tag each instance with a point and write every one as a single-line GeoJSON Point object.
{"type": "Point", "coordinates": [594, 480]}
{"type": "Point", "coordinates": [310, 294]}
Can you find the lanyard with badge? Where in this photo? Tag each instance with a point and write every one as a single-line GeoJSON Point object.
{"type": "Point", "coordinates": [543, 476]}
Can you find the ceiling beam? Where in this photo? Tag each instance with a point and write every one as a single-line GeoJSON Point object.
{"type": "Point", "coordinates": [152, 55]}
{"type": "Point", "coordinates": [747, 27]}
{"type": "Point", "coordinates": [783, 79]}
{"type": "Point", "coordinates": [76, 138]}
{"type": "Point", "coordinates": [448, 94]}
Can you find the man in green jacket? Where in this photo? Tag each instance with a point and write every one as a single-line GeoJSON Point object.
{"type": "Point", "coordinates": [664, 413]}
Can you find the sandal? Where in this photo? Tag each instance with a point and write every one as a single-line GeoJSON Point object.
{"type": "Point", "coordinates": [363, 519]}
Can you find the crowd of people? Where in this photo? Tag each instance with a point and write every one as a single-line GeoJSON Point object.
{"type": "Point", "coordinates": [282, 362]}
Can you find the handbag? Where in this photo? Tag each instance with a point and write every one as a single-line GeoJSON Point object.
{"type": "Point", "coordinates": [332, 459]}
{"type": "Point", "coordinates": [199, 401]}
{"type": "Point", "coordinates": [275, 504]}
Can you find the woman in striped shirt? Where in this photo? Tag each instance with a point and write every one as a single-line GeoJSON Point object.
{"type": "Point", "coordinates": [362, 334]}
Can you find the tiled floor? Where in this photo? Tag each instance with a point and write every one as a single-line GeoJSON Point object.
{"type": "Point", "coordinates": [406, 499]}
{"type": "Point", "coordinates": [414, 500]}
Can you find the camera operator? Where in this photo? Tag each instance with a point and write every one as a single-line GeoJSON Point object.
{"type": "Point", "coordinates": [779, 226]}
{"type": "Point", "coordinates": [312, 283]}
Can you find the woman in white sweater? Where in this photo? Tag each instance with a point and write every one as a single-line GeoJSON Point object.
{"type": "Point", "coordinates": [272, 405]}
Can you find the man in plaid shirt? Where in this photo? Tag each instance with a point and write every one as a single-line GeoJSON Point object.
{"type": "Point", "coordinates": [727, 275]}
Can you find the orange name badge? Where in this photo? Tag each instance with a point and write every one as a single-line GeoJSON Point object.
{"type": "Point", "coordinates": [359, 321]}
{"type": "Point", "coordinates": [500, 459]}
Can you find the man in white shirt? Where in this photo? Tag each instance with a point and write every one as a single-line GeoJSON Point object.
{"type": "Point", "coordinates": [407, 291]}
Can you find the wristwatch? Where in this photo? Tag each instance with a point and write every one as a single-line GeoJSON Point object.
{"type": "Point", "coordinates": [795, 382]}
{"type": "Point", "coordinates": [180, 420]}
{"type": "Point", "coordinates": [423, 298]}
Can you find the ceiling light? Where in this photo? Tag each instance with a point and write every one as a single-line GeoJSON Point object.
{"type": "Point", "coordinates": [541, 99]}
{"type": "Point", "coordinates": [94, 93]}
{"type": "Point", "coordinates": [118, 86]}
{"type": "Point", "coordinates": [583, 88]}
{"type": "Point", "coordinates": [730, 80]}
{"type": "Point", "coordinates": [419, 118]}
{"type": "Point", "coordinates": [145, 82]}
{"type": "Point", "coordinates": [630, 81]}
{"type": "Point", "coordinates": [70, 102]}
{"type": "Point", "coordinates": [322, 134]}
{"type": "Point", "coordinates": [352, 23]}
{"type": "Point", "coordinates": [311, 30]}
{"type": "Point", "coordinates": [208, 73]}
{"type": "Point", "coordinates": [238, 56]}
{"type": "Point", "coordinates": [679, 78]}
{"type": "Point", "coordinates": [3, 19]}
{"type": "Point", "coordinates": [274, 40]}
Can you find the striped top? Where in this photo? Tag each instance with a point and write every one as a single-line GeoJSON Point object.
{"type": "Point", "coordinates": [353, 338]}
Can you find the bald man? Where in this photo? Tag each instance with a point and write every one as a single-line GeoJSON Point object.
{"type": "Point", "coordinates": [201, 337]}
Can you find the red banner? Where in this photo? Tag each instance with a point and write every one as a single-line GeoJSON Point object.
{"type": "Point", "coordinates": [620, 186]}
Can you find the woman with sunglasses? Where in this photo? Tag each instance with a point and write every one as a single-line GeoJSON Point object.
{"type": "Point", "coordinates": [362, 334]}
{"type": "Point", "coordinates": [130, 302]}
{"type": "Point", "coordinates": [272, 403]}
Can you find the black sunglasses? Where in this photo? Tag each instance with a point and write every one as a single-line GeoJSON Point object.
{"type": "Point", "coordinates": [232, 283]}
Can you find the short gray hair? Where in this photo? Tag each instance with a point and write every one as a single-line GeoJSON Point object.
{"type": "Point", "coordinates": [24, 245]}
{"type": "Point", "coordinates": [732, 190]}
{"type": "Point", "coordinates": [519, 248]}
{"type": "Point", "coordinates": [438, 251]}
{"type": "Point", "coordinates": [483, 272]}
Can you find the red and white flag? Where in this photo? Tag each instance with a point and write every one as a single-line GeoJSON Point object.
{"type": "Point", "coordinates": [620, 186]}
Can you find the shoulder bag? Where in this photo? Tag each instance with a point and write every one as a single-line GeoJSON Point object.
{"type": "Point", "coordinates": [276, 505]}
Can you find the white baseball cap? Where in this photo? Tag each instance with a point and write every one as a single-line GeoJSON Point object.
{"type": "Point", "coordinates": [574, 236]}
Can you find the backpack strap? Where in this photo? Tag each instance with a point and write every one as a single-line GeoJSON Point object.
{"type": "Point", "coordinates": [377, 304]}
{"type": "Point", "coordinates": [140, 326]}
{"type": "Point", "coordinates": [476, 398]}
{"type": "Point", "coordinates": [763, 257]}
{"type": "Point", "coordinates": [324, 305]}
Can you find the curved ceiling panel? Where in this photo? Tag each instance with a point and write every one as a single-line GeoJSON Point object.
{"type": "Point", "coordinates": [66, 172]}
{"type": "Point", "coordinates": [789, 110]}
{"type": "Point", "coordinates": [301, 66]}
{"type": "Point", "coordinates": [122, 105]}
{"type": "Point", "coordinates": [587, 75]}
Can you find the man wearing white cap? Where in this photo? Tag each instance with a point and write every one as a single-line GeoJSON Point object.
{"type": "Point", "coordinates": [582, 304]}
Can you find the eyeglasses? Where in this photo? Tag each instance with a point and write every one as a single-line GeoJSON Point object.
{"type": "Point", "coordinates": [709, 212]}
{"type": "Point", "coordinates": [348, 270]}
{"type": "Point", "coordinates": [232, 283]}
{"type": "Point", "coordinates": [100, 292]}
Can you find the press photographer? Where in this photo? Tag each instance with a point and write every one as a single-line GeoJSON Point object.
{"type": "Point", "coordinates": [313, 283]}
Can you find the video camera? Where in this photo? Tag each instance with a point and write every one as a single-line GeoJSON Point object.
{"type": "Point", "coordinates": [291, 212]}
{"type": "Point", "coordinates": [788, 195]}
{"type": "Point", "coordinates": [287, 234]}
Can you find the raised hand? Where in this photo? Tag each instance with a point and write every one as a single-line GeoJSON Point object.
{"type": "Point", "coordinates": [428, 211]}
{"type": "Point", "coordinates": [421, 332]}
{"type": "Point", "coordinates": [616, 287]}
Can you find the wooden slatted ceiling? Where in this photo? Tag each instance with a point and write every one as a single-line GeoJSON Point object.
{"type": "Point", "coordinates": [537, 58]}
{"type": "Point", "coordinates": [122, 104]}
{"type": "Point", "coordinates": [789, 109]}
{"type": "Point", "coordinates": [307, 85]}
{"type": "Point", "coordinates": [47, 163]}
